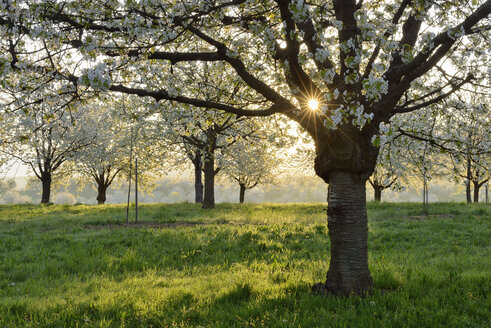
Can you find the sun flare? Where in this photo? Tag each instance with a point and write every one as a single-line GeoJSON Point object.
{"type": "Point", "coordinates": [313, 104]}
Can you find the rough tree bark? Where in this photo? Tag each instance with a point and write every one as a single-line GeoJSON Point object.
{"type": "Point", "coordinates": [46, 185]}
{"type": "Point", "coordinates": [345, 163]}
{"type": "Point", "coordinates": [348, 232]}
{"type": "Point", "coordinates": [242, 193]}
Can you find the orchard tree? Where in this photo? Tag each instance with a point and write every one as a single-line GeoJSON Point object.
{"type": "Point", "coordinates": [203, 136]}
{"type": "Point", "coordinates": [196, 157]}
{"type": "Point", "coordinates": [44, 138]}
{"type": "Point", "coordinates": [338, 68]}
{"type": "Point", "coordinates": [390, 171]}
{"type": "Point", "coordinates": [180, 154]}
{"type": "Point", "coordinates": [208, 134]}
{"type": "Point", "coordinates": [461, 130]}
{"type": "Point", "coordinates": [7, 185]}
{"type": "Point", "coordinates": [423, 155]}
{"type": "Point", "coordinates": [249, 163]}
{"type": "Point", "coordinates": [123, 133]}
{"type": "Point", "coordinates": [469, 127]}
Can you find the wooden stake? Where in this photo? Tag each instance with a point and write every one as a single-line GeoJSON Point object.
{"type": "Point", "coordinates": [136, 190]}
{"type": "Point", "coordinates": [129, 178]}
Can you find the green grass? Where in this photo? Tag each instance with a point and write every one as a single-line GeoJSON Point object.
{"type": "Point", "coordinates": [239, 266]}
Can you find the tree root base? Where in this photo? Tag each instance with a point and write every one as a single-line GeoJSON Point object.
{"type": "Point", "coordinates": [321, 288]}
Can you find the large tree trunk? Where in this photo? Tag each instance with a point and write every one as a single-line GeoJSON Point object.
{"type": "Point", "coordinates": [377, 193]}
{"type": "Point", "coordinates": [198, 179]}
{"type": "Point", "coordinates": [242, 193]}
{"type": "Point", "coordinates": [477, 186]}
{"type": "Point", "coordinates": [101, 193]}
{"type": "Point", "coordinates": [46, 185]}
{"type": "Point", "coordinates": [348, 231]}
{"type": "Point", "coordinates": [345, 160]}
{"type": "Point", "coordinates": [209, 171]}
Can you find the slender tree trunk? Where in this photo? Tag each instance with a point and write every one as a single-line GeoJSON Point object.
{"type": "Point", "coordinates": [46, 185]}
{"type": "Point", "coordinates": [348, 231]}
{"type": "Point", "coordinates": [476, 191]}
{"type": "Point", "coordinates": [468, 182]}
{"type": "Point", "coordinates": [209, 171]}
{"type": "Point", "coordinates": [468, 192]}
{"type": "Point", "coordinates": [377, 193]}
{"type": "Point", "coordinates": [136, 190]}
{"type": "Point", "coordinates": [425, 194]}
{"type": "Point", "coordinates": [487, 193]}
{"type": "Point", "coordinates": [101, 193]}
{"type": "Point", "coordinates": [242, 193]}
{"type": "Point", "coordinates": [198, 178]}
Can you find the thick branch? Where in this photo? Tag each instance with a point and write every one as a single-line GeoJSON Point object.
{"type": "Point", "coordinates": [173, 57]}
{"type": "Point", "coordinates": [164, 95]}
{"type": "Point", "coordinates": [256, 84]}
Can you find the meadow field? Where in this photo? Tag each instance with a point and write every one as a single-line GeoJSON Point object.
{"type": "Point", "coordinates": [248, 265]}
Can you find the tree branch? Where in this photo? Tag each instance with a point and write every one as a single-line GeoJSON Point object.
{"type": "Point", "coordinates": [454, 87]}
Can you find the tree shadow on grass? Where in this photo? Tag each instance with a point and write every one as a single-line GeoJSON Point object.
{"type": "Point", "coordinates": [246, 304]}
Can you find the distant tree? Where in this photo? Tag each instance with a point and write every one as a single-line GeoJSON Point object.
{"type": "Point", "coordinates": [422, 154]}
{"type": "Point", "coordinates": [196, 157]}
{"type": "Point", "coordinates": [6, 185]}
{"type": "Point", "coordinates": [9, 193]}
{"type": "Point", "coordinates": [203, 135]}
{"type": "Point", "coordinates": [44, 138]}
{"type": "Point", "coordinates": [180, 153]}
{"type": "Point", "coordinates": [469, 142]}
{"type": "Point", "coordinates": [390, 171]}
{"type": "Point", "coordinates": [462, 134]}
{"type": "Point", "coordinates": [211, 139]}
{"type": "Point", "coordinates": [249, 163]}
{"type": "Point", "coordinates": [123, 134]}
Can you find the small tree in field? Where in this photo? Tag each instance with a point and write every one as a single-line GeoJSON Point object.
{"type": "Point", "coordinates": [6, 185]}
{"type": "Point", "coordinates": [249, 163]}
{"type": "Point", "coordinates": [461, 133]}
{"type": "Point", "coordinates": [423, 155]}
{"type": "Point", "coordinates": [338, 68]}
{"type": "Point", "coordinates": [120, 137]}
{"type": "Point", "coordinates": [44, 138]}
{"type": "Point", "coordinates": [204, 138]}
{"type": "Point", "coordinates": [389, 173]}
{"type": "Point", "coordinates": [469, 144]}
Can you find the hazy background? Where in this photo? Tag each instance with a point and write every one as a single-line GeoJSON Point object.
{"type": "Point", "coordinates": [178, 187]}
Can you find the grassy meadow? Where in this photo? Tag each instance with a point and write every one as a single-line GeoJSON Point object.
{"type": "Point", "coordinates": [246, 265]}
